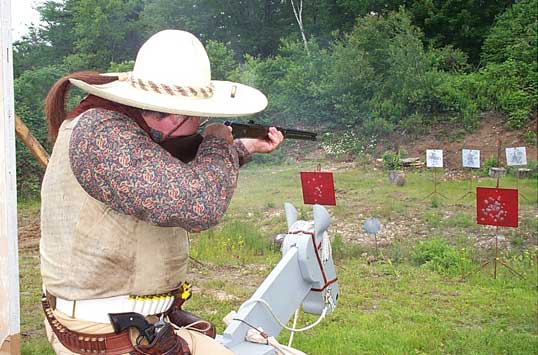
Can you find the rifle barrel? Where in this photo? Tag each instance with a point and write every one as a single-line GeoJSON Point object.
{"type": "Point", "coordinates": [242, 130]}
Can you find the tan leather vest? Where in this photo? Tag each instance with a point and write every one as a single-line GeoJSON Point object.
{"type": "Point", "coordinates": [90, 251]}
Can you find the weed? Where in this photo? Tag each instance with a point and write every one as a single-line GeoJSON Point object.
{"type": "Point", "coordinates": [435, 202]}
{"type": "Point", "coordinates": [490, 162]}
{"type": "Point", "coordinates": [270, 204]}
{"type": "Point", "coordinates": [433, 218]}
{"type": "Point", "coordinates": [462, 220]}
{"type": "Point", "coordinates": [398, 252]}
{"type": "Point", "coordinates": [235, 241]}
{"type": "Point", "coordinates": [391, 161]}
{"type": "Point", "coordinates": [337, 246]}
{"type": "Point", "coordinates": [437, 255]}
{"type": "Point", "coordinates": [531, 137]}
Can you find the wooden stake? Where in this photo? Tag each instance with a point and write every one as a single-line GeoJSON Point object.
{"type": "Point", "coordinates": [9, 268]}
{"type": "Point", "coordinates": [30, 142]}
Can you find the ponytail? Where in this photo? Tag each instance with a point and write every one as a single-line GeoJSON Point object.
{"type": "Point", "coordinates": [57, 97]}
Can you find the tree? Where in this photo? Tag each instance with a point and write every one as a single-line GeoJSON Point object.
{"type": "Point", "coordinates": [298, 12]}
{"type": "Point", "coordinates": [514, 35]}
{"type": "Point", "coordinates": [461, 23]}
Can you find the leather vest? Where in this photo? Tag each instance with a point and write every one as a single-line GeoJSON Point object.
{"type": "Point", "coordinates": [90, 251]}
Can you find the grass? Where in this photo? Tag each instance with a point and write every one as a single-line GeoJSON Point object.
{"type": "Point", "coordinates": [398, 304]}
{"type": "Point", "coordinates": [420, 311]}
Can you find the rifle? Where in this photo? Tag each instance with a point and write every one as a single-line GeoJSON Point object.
{"type": "Point", "coordinates": [255, 130]}
{"type": "Point", "coordinates": [185, 148]}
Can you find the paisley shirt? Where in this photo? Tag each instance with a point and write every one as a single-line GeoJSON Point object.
{"type": "Point", "coordinates": [117, 163]}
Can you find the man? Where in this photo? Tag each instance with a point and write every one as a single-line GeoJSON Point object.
{"type": "Point", "coordinates": [118, 204]}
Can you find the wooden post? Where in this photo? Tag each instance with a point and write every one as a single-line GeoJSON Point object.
{"type": "Point", "coordinates": [31, 143]}
{"type": "Point", "coordinates": [9, 267]}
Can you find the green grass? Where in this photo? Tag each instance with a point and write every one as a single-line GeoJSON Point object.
{"type": "Point", "coordinates": [420, 311]}
{"type": "Point", "coordinates": [395, 305]}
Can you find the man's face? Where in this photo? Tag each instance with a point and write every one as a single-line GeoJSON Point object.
{"type": "Point", "coordinates": [171, 125]}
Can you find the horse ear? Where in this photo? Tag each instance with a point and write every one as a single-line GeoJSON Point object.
{"type": "Point", "coordinates": [322, 220]}
{"type": "Point", "coordinates": [291, 214]}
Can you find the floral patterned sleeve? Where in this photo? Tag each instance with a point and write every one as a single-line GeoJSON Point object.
{"type": "Point", "coordinates": [117, 163]}
{"type": "Point", "coordinates": [242, 152]}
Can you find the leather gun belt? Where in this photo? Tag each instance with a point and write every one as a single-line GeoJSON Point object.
{"type": "Point", "coordinates": [81, 343]}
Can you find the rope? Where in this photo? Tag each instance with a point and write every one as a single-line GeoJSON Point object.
{"type": "Point", "coordinates": [270, 309]}
{"type": "Point", "coordinates": [294, 324]}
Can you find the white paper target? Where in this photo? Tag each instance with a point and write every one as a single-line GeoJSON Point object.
{"type": "Point", "coordinates": [434, 158]}
{"type": "Point", "coordinates": [470, 158]}
{"type": "Point", "coordinates": [516, 156]}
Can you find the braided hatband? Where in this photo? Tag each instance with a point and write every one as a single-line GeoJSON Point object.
{"type": "Point", "coordinates": [174, 90]}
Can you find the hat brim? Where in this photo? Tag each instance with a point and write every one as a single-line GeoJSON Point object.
{"type": "Point", "coordinates": [246, 100]}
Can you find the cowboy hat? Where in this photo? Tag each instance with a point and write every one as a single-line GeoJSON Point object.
{"type": "Point", "coordinates": [172, 74]}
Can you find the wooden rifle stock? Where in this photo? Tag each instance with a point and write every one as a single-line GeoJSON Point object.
{"type": "Point", "coordinates": [254, 130]}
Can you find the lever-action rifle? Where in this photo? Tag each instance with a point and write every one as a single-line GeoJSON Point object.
{"type": "Point", "coordinates": [254, 130]}
{"type": "Point", "coordinates": [185, 148]}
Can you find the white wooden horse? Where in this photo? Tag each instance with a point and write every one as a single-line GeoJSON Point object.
{"type": "Point", "coordinates": [304, 276]}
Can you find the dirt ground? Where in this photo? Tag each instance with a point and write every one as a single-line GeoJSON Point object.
{"type": "Point", "coordinates": [486, 139]}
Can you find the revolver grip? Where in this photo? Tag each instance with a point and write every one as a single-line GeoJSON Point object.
{"type": "Point", "coordinates": [123, 321]}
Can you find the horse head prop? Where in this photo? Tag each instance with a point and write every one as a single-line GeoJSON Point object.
{"type": "Point", "coordinates": [305, 276]}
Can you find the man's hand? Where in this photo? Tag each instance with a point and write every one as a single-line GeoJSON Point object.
{"type": "Point", "coordinates": [264, 145]}
{"type": "Point", "coordinates": [220, 131]}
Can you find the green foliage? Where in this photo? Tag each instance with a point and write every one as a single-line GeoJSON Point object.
{"type": "Point", "coordinates": [533, 165]}
{"type": "Point", "coordinates": [292, 82]}
{"type": "Point", "coordinates": [509, 87]}
{"type": "Point", "coordinates": [462, 24]}
{"type": "Point", "coordinates": [347, 145]}
{"type": "Point", "coordinates": [514, 36]}
{"type": "Point", "coordinates": [437, 255]}
{"type": "Point", "coordinates": [122, 67]}
{"type": "Point", "coordinates": [490, 162]}
{"type": "Point", "coordinates": [391, 160]}
{"type": "Point", "coordinates": [342, 250]}
{"type": "Point", "coordinates": [392, 70]}
{"type": "Point", "coordinates": [531, 137]}
{"type": "Point", "coordinates": [276, 157]}
{"type": "Point", "coordinates": [30, 89]}
{"type": "Point", "coordinates": [449, 59]}
{"type": "Point", "coordinates": [236, 241]}
{"type": "Point", "coordinates": [222, 60]}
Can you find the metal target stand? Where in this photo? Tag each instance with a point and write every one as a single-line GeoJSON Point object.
{"type": "Point", "coordinates": [470, 190]}
{"type": "Point", "coordinates": [435, 192]}
{"type": "Point", "coordinates": [517, 186]}
{"type": "Point", "coordinates": [496, 260]}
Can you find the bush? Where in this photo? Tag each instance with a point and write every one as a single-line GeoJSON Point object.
{"type": "Point", "coordinates": [510, 52]}
{"type": "Point", "coordinates": [347, 145]}
{"type": "Point", "coordinates": [533, 165]}
{"type": "Point", "coordinates": [437, 255]}
{"type": "Point", "coordinates": [514, 35]}
{"type": "Point", "coordinates": [531, 137]}
{"type": "Point", "coordinates": [30, 89]}
{"type": "Point", "coordinates": [490, 162]}
{"type": "Point", "coordinates": [391, 160]}
{"type": "Point", "coordinates": [222, 60]}
{"type": "Point", "coordinates": [293, 81]}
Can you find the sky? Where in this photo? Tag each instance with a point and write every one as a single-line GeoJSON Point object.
{"type": "Point", "coordinates": [22, 15]}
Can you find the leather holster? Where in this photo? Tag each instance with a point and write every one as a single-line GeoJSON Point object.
{"type": "Point", "coordinates": [183, 318]}
{"type": "Point", "coordinates": [166, 342]}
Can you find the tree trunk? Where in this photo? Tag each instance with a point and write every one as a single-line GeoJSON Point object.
{"type": "Point", "coordinates": [298, 12]}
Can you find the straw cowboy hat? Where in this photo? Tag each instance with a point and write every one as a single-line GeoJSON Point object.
{"type": "Point", "coordinates": [172, 74]}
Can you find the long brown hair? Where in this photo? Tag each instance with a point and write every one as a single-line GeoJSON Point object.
{"type": "Point", "coordinates": [57, 97]}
